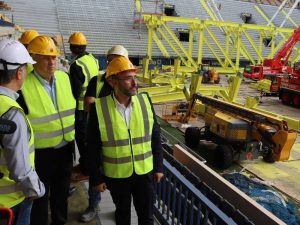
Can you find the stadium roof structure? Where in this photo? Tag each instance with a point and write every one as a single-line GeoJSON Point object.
{"type": "Point", "coordinates": [109, 22]}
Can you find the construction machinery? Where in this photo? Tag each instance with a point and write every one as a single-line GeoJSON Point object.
{"type": "Point", "coordinates": [209, 75]}
{"type": "Point", "coordinates": [289, 91]}
{"type": "Point", "coordinates": [276, 66]}
{"type": "Point", "coordinates": [240, 133]}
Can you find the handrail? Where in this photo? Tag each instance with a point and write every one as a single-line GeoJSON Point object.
{"type": "Point", "coordinates": [178, 201]}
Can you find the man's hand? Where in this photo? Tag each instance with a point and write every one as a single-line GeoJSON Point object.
{"type": "Point", "coordinates": [157, 177]}
{"type": "Point", "coordinates": [100, 188]}
{"type": "Point", "coordinates": [87, 102]}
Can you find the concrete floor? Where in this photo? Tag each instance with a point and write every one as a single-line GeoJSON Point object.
{"type": "Point", "coordinates": [78, 202]}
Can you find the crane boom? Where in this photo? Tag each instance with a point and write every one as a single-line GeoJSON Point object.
{"type": "Point", "coordinates": [284, 53]}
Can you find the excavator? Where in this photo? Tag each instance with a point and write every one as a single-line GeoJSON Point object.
{"type": "Point", "coordinates": [240, 133]}
{"type": "Point", "coordinates": [277, 66]}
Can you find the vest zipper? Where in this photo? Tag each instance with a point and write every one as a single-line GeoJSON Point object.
{"type": "Point", "coordinates": [131, 149]}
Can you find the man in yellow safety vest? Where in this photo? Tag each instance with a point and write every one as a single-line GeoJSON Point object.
{"type": "Point", "coordinates": [82, 70]}
{"type": "Point", "coordinates": [19, 182]}
{"type": "Point", "coordinates": [49, 102]}
{"type": "Point", "coordinates": [124, 148]}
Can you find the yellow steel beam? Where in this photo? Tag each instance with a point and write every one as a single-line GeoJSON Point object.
{"type": "Point", "coordinates": [196, 21]}
{"type": "Point", "coordinates": [167, 97]}
{"type": "Point", "coordinates": [244, 50]}
{"type": "Point", "coordinates": [171, 33]}
{"type": "Point", "coordinates": [262, 13]}
{"type": "Point", "coordinates": [290, 18]}
{"type": "Point", "coordinates": [279, 45]}
{"type": "Point", "coordinates": [177, 65]}
{"type": "Point", "coordinates": [172, 46]}
{"type": "Point", "coordinates": [213, 51]}
{"type": "Point", "coordinates": [284, 37]}
{"type": "Point", "coordinates": [200, 44]}
{"type": "Point", "coordinates": [260, 47]}
{"type": "Point", "coordinates": [219, 46]}
{"type": "Point", "coordinates": [145, 68]}
{"type": "Point", "coordinates": [296, 56]}
{"type": "Point", "coordinates": [234, 86]}
{"type": "Point", "coordinates": [258, 51]}
{"type": "Point", "coordinates": [150, 34]}
{"type": "Point", "coordinates": [191, 41]}
{"type": "Point", "coordinates": [160, 45]}
{"type": "Point", "coordinates": [238, 49]}
{"type": "Point", "coordinates": [138, 6]}
{"type": "Point", "coordinates": [207, 9]}
{"type": "Point", "coordinates": [156, 23]}
{"type": "Point", "coordinates": [159, 90]}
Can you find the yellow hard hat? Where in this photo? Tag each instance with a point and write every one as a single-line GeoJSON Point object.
{"type": "Point", "coordinates": [43, 45]}
{"type": "Point", "coordinates": [77, 38]}
{"type": "Point", "coordinates": [118, 65]}
{"type": "Point", "coordinates": [28, 36]}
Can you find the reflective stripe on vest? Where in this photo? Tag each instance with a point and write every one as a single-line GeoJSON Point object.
{"type": "Point", "coordinates": [125, 150]}
{"type": "Point", "coordinates": [50, 126]}
{"type": "Point", "coordinates": [10, 193]}
{"type": "Point", "coordinates": [90, 68]}
{"type": "Point", "coordinates": [99, 85]}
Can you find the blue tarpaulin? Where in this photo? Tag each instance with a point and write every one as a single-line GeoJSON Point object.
{"type": "Point", "coordinates": [266, 196]}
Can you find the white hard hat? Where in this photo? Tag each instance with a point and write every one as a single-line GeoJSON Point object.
{"type": "Point", "coordinates": [118, 50]}
{"type": "Point", "coordinates": [13, 54]}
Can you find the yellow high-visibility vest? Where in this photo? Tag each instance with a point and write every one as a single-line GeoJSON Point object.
{"type": "Point", "coordinates": [90, 68]}
{"type": "Point", "coordinates": [99, 85]}
{"type": "Point", "coordinates": [124, 150]}
{"type": "Point", "coordinates": [50, 125]}
{"type": "Point", "coordinates": [10, 193]}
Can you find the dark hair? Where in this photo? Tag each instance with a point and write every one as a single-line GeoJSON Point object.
{"type": "Point", "coordinates": [7, 75]}
{"type": "Point", "coordinates": [77, 49]}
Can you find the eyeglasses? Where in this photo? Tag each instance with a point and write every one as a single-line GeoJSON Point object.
{"type": "Point", "coordinates": [131, 78]}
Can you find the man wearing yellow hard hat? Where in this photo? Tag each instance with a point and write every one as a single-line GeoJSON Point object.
{"type": "Point", "coordinates": [25, 39]}
{"type": "Point", "coordinates": [50, 104]}
{"type": "Point", "coordinates": [82, 70]}
{"type": "Point", "coordinates": [124, 148]}
{"type": "Point", "coordinates": [97, 88]}
{"type": "Point", "coordinates": [28, 36]}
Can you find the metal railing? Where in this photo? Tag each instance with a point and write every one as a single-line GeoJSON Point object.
{"type": "Point", "coordinates": [182, 198]}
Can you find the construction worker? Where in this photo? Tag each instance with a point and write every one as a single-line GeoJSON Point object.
{"type": "Point", "coordinates": [19, 182]}
{"type": "Point", "coordinates": [28, 36]}
{"type": "Point", "coordinates": [84, 67]}
{"type": "Point", "coordinates": [48, 99]}
{"type": "Point", "coordinates": [124, 148]}
{"type": "Point", "coordinates": [25, 39]}
{"type": "Point", "coordinates": [98, 87]}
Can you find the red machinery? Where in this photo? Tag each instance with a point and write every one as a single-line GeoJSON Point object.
{"type": "Point", "coordinates": [289, 92]}
{"type": "Point", "coordinates": [276, 66]}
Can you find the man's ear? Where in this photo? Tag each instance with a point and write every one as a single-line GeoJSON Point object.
{"type": "Point", "coordinates": [19, 73]}
{"type": "Point", "coordinates": [111, 82]}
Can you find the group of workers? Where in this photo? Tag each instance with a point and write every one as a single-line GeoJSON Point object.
{"type": "Point", "coordinates": [113, 126]}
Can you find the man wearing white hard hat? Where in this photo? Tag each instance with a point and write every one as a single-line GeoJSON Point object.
{"type": "Point", "coordinates": [19, 182]}
{"type": "Point", "coordinates": [98, 86]}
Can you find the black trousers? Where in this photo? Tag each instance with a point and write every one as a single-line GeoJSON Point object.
{"type": "Point", "coordinates": [80, 137]}
{"type": "Point", "coordinates": [141, 189]}
{"type": "Point", "coordinates": [54, 167]}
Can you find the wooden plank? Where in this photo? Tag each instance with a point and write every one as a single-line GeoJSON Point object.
{"type": "Point", "coordinates": [255, 212]}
